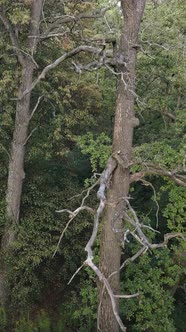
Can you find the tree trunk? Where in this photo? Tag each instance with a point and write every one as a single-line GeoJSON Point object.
{"type": "Point", "coordinates": [125, 122]}
{"type": "Point", "coordinates": [16, 164]}
{"type": "Point", "coordinates": [16, 173]}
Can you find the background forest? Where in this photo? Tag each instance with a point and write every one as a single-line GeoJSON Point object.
{"type": "Point", "coordinates": [70, 140]}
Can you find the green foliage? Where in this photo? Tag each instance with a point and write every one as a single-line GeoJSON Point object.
{"type": "Point", "coordinates": [77, 312]}
{"type": "Point", "coordinates": [20, 16]}
{"type": "Point", "coordinates": [3, 319]}
{"type": "Point", "coordinates": [74, 130]}
{"type": "Point", "coordinates": [160, 153]}
{"type": "Point", "coordinates": [80, 312]}
{"type": "Point", "coordinates": [98, 149]}
{"type": "Point", "coordinates": [179, 314]}
{"type": "Point", "coordinates": [86, 313]}
{"type": "Point", "coordinates": [152, 276]}
{"type": "Point", "coordinates": [25, 325]}
{"type": "Point", "coordinates": [174, 211]}
{"type": "Point", "coordinates": [42, 323]}
{"type": "Point", "coordinates": [161, 85]}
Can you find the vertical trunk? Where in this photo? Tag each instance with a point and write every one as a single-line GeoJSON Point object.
{"type": "Point", "coordinates": [16, 164]}
{"type": "Point", "coordinates": [15, 175]}
{"type": "Point", "coordinates": [125, 122]}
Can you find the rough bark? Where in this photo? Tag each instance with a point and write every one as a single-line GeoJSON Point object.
{"type": "Point", "coordinates": [125, 122]}
{"type": "Point", "coordinates": [16, 163]}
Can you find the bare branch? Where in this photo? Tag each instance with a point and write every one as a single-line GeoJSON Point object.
{"type": "Point", "coordinates": [29, 136]}
{"type": "Point", "coordinates": [53, 65]}
{"type": "Point", "coordinates": [65, 19]}
{"type": "Point", "coordinates": [167, 47]}
{"type": "Point", "coordinates": [109, 290]}
{"type": "Point", "coordinates": [127, 296]}
{"type": "Point", "coordinates": [141, 238]}
{"type": "Point", "coordinates": [104, 182]}
{"type": "Point", "coordinates": [51, 35]}
{"type": "Point", "coordinates": [77, 271]}
{"type": "Point", "coordinates": [147, 183]}
{"type": "Point", "coordinates": [95, 65]}
{"type": "Point", "coordinates": [167, 237]}
{"type": "Point", "coordinates": [137, 233]}
{"type": "Point", "coordinates": [28, 55]}
{"type": "Point", "coordinates": [157, 170]}
{"type": "Point", "coordinates": [169, 115]}
{"type": "Point", "coordinates": [151, 228]}
{"type": "Point", "coordinates": [87, 191]}
{"type": "Point", "coordinates": [72, 216]}
{"type": "Point", "coordinates": [36, 106]}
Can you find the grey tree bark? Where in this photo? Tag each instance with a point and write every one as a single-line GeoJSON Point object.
{"type": "Point", "coordinates": [125, 121]}
{"type": "Point", "coordinates": [16, 164]}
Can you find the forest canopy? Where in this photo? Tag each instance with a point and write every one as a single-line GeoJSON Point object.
{"type": "Point", "coordinates": [92, 165]}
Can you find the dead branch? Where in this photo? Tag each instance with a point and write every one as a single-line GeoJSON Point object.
{"type": "Point", "coordinates": [65, 19]}
{"type": "Point", "coordinates": [87, 191]}
{"type": "Point", "coordinates": [72, 215]}
{"type": "Point", "coordinates": [167, 237]}
{"type": "Point", "coordinates": [109, 290]}
{"type": "Point", "coordinates": [158, 170]}
{"type": "Point", "coordinates": [104, 182]}
{"type": "Point", "coordinates": [95, 65]}
{"type": "Point", "coordinates": [32, 131]}
{"type": "Point", "coordinates": [131, 296]}
{"type": "Point", "coordinates": [83, 48]}
{"type": "Point", "coordinates": [166, 48]}
{"type": "Point", "coordinates": [141, 237]}
{"type": "Point", "coordinates": [131, 259]}
{"type": "Point", "coordinates": [147, 183]}
{"type": "Point", "coordinates": [129, 214]}
{"type": "Point", "coordinates": [169, 115]}
{"type": "Point", "coordinates": [76, 272]}
{"type": "Point", "coordinates": [27, 55]}
{"type": "Point", "coordinates": [36, 106]}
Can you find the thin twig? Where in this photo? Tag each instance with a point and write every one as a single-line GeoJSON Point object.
{"type": "Point", "coordinates": [104, 280]}
{"type": "Point", "coordinates": [77, 271]}
{"type": "Point", "coordinates": [25, 142]}
{"type": "Point", "coordinates": [147, 183]}
{"type": "Point", "coordinates": [36, 106]}
{"type": "Point", "coordinates": [127, 296]}
{"type": "Point", "coordinates": [72, 216]}
{"type": "Point", "coordinates": [83, 48]}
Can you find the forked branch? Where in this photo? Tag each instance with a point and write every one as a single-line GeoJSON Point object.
{"type": "Point", "coordinates": [149, 169]}
{"type": "Point", "coordinates": [136, 231]}
{"type": "Point", "coordinates": [83, 48]}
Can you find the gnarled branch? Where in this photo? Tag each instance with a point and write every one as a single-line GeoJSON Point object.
{"type": "Point", "coordinates": [150, 168]}
{"type": "Point", "coordinates": [83, 48]}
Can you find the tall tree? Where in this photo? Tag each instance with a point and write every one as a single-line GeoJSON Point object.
{"type": "Point", "coordinates": [22, 119]}
{"type": "Point", "coordinates": [24, 40]}
{"type": "Point", "coordinates": [125, 122]}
